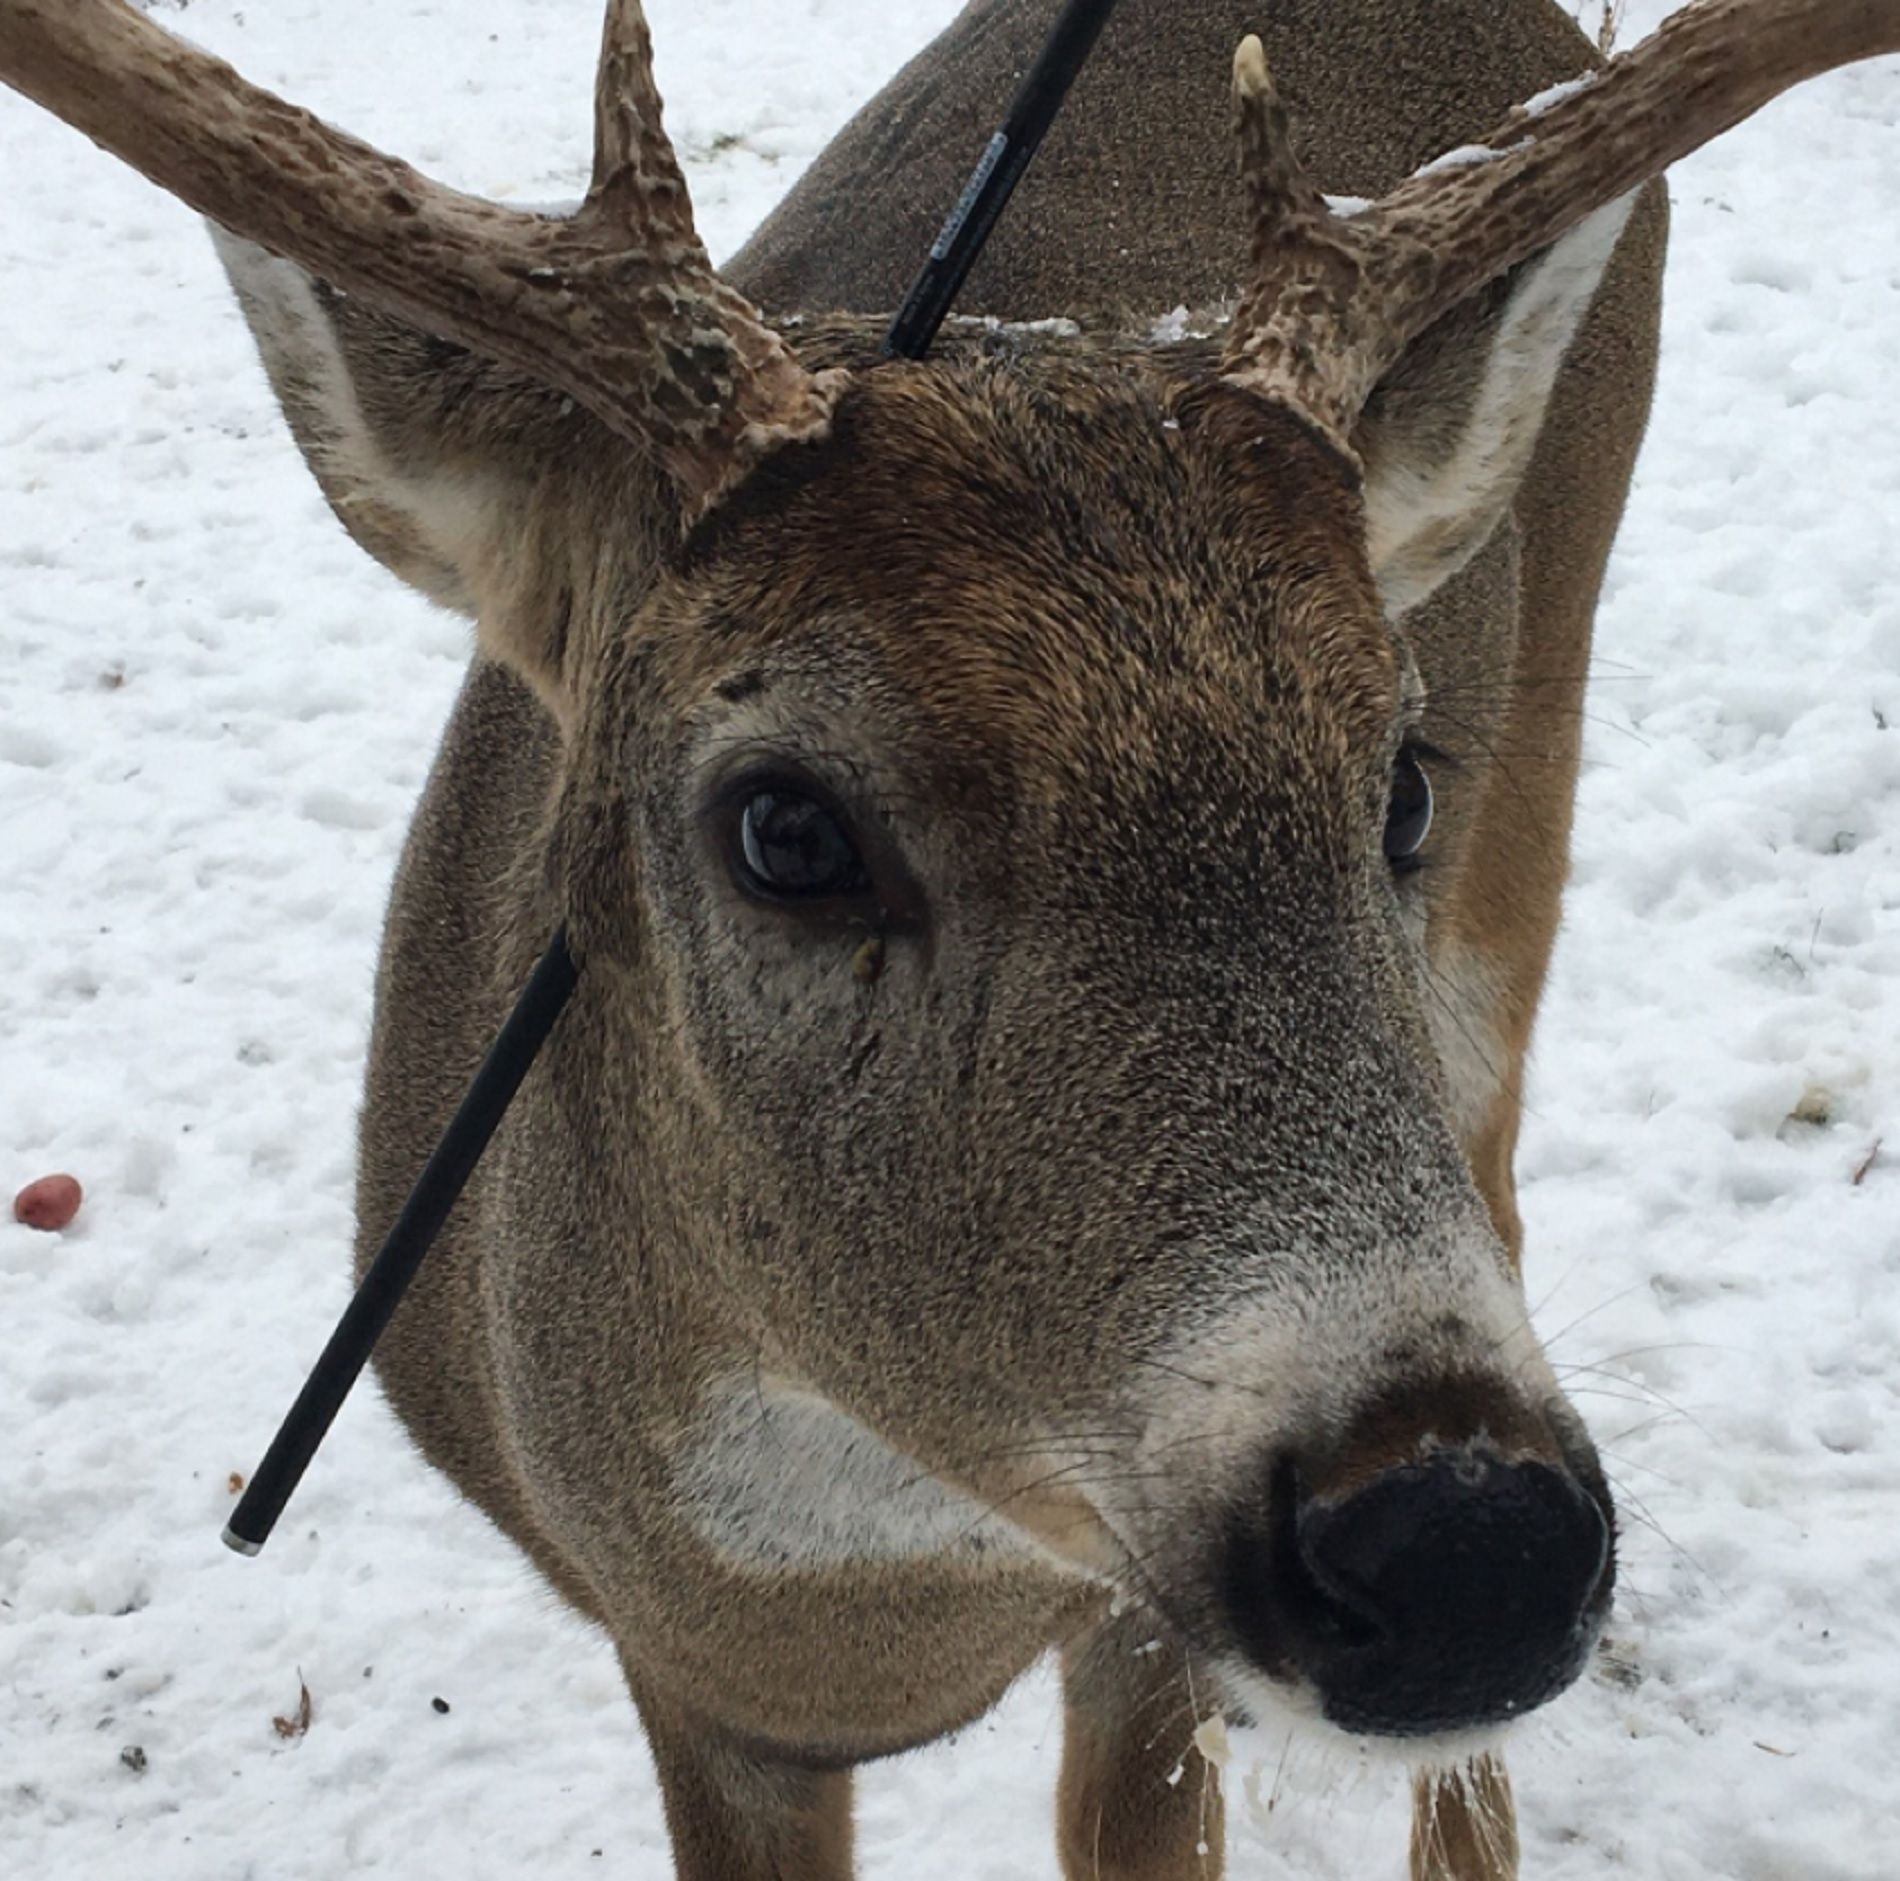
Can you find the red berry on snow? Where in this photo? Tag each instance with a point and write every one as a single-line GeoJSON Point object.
{"type": "Point", "coordinates": [49, 1203]}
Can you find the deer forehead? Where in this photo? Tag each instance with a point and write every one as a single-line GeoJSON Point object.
{"type": "Point", "coordinates": [1042, 577]}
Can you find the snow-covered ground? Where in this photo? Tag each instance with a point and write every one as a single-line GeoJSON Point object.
{"type": "Point", "coordinates": [214, 716]}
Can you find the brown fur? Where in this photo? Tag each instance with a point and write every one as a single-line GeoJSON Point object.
{"type": "Point", "coordinates": [1465, 1826]}
{"type": "Point", "coordinates": [1095, 643]}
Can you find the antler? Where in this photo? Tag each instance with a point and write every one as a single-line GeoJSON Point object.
{"type": "Point", "coordinates": [618, 305]}
{"type": "Point", "coordinates": [1335, 299]}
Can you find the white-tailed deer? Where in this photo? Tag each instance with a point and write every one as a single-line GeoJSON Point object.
{"type": "Point", "coordinates": [1029, 1164]}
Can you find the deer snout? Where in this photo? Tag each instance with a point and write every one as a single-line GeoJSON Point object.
{"type": "Point", "coordinates": [1457, 1589]}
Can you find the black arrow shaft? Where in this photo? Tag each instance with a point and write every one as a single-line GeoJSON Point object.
{"type": "Point", "coordinates": [1000, 168]}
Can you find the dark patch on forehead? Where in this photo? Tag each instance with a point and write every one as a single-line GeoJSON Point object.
{"type": "Point", "coordinates": [741, 686]}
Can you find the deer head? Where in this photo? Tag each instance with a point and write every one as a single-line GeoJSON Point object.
{"type": "Point", "coordinates": [988, 811]}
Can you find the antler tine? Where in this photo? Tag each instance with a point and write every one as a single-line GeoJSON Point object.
{"type": "Point", "coordinates": [637, 180]}
{"type": "Point", "coordinates": [617, 306]}
{"type": "Point", "coordinates": [1281, 194]}
{"type": "Point", "coordinates": [1338, 301]}
{"type": "Point", "coordinates": [1293, 332]}
{"type": "Point", "coordinates": [759, 394]}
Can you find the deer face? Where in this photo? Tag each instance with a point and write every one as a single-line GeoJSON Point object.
{"type": "Point", "coordinates": [987, 849]}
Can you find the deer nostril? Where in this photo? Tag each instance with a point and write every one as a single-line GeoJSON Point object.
{"type": "Point", "coordinates": [1319, 1600]}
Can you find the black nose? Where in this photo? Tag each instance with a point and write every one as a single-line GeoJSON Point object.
{"type": "Point", "coordinates": [1456, 1591]}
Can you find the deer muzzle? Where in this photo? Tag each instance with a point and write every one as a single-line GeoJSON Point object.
{"type": "Point", "coordinates": [1454, 1589]}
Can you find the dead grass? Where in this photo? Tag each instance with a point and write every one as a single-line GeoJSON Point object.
{"type": "Point", "coordinates": [1608, 15]}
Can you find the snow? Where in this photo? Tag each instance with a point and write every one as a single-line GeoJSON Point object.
{"type": "Point", "coordinates": [1465, 157]}
{"type": "Point", "coordinates": [214, 716]}
{"type": "Point", "coordinates": [1547, 100]}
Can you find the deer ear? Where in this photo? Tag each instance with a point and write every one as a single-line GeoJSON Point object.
{"type": "Point", "coordinates": [1448, 435]}
{"type": "Point", "coordinates": [444, 466]}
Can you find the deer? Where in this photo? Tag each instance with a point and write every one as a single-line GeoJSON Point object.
{"type": "Point", "coordinates": [1028, 1167]}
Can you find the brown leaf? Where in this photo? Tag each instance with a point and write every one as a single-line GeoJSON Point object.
{"type": "Point", "coordinates": [295, 1727]}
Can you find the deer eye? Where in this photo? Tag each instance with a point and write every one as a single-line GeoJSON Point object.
{"type": "Point", "coordinates": [793, 849]}
{"type": "Point", "coordinates": [1408, 816]}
